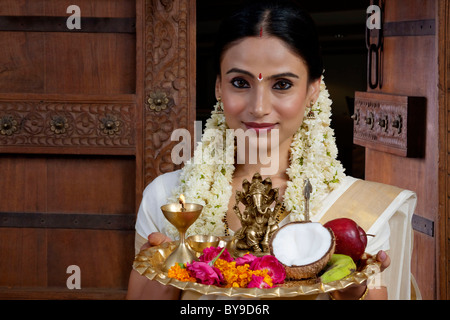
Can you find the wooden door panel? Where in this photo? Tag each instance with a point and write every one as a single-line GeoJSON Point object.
{"type": "Point", "coordinates": [98, 8]}
{"type": "Point", "coordinates": [45, 255]}
{"type": "Point", "coordinates": [99, 188]}
{"type": "Point", "coordinates": [91, 185]}
{"type": "Point", "coordinates": [23, 260]}
{"type": "Point", "coordinates": [409, 68]}
{"type": "Point", "coordinates": [67, 64]}
{"type": "Point", "coordinates": [69, 158]}
{"type": "Point", "coordinates": [22, 63]}
{"type": "Point", "coordinates": [67, 184]}
{"type": "Point", "coordinates": [102, 266]}
{"type": "Point", "coordinates": [22, 176]}
{"type": "Point", "coordinates": [90, 63]}
{"type": "Point", "coordinates": [82, 138]}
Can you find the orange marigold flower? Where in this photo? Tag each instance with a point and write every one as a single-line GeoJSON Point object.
{"type": "Point", "coordinates": [179, 273]}
{"type": "Point", "coordinates": [239, 276]}
{"type": "Point", "coordinates": [234, 276]}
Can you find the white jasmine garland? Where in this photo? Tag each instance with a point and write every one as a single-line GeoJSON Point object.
{"type": "Point", "coordinates": [206, 178]}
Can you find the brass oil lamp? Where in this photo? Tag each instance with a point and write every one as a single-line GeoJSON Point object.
{"type": "Point", "coordinates": [181, 215]}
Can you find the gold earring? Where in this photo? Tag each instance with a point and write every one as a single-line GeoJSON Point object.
{"type": "Point", "coordinates": [311, 115]}
{"type": "Point", "coordinates": [219, 106]}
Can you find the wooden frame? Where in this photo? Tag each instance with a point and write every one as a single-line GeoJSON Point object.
{"type": "Point", "coordinates": [443, 247]}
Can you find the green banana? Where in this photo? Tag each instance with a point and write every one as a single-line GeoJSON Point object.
{"type": "Point", "coordinates": [339, 267]}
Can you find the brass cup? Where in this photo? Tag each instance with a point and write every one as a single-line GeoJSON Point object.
{"type": "Point", "coordinates": [181, 220]}
{"type": "Point", "coordinates": [228, 242]}
{"type": "Point", "coordinates": [200, 242]}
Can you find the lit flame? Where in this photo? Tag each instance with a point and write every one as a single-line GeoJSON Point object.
{"type": "Point", "coordinates": [182, 201]}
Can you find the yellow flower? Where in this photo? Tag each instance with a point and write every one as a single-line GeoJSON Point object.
{"type": "Point", "coordinates": [239, 276]}
{"type": "Point", "coordinates": [179, 273]}
{"type": "Point", "coordinates": [235, 276]}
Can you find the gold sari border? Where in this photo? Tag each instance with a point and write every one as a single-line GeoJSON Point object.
{"type": "Point", "coordinates": [363, 202]}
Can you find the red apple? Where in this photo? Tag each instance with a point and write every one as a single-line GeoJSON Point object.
{"type": "Point", "coordinates": [351, 239]}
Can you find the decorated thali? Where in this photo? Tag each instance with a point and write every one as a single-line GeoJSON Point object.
{"type": "Point", "coordinates": [149, 263]}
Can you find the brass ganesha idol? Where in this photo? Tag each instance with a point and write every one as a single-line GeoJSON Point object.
{"type": "Point", "coordinates": [258, 220]}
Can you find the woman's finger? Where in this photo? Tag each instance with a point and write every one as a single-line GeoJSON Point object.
{"type": "Point", "coordinates": [156, 238]}
{"type": "Point", "coordinates": [385, 260]}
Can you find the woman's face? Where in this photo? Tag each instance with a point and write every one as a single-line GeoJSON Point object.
{"type": "Point", "coordinates": [264, 86]}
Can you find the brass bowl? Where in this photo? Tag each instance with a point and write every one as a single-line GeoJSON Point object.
{"type": "Point", "coordinates": [228, 242]}
{"type": "Point", "coordinates": [199, 242]}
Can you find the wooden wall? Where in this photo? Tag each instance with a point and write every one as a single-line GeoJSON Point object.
{"type": "Point", "coordinates": [414, 65]}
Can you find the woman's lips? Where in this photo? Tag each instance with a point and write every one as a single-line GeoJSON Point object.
{"type": "Point", "coordinates": [260, 126]}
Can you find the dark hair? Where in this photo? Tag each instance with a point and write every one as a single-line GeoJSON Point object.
{"type": "Point", "coordinates": [284, 20]}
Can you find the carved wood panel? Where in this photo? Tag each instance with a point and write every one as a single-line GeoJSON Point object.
{"type": "Point", "coordinates": [56, 124]}
{"type": "Point", "coordinates": [169, 80]}
{"type": "Point", "coordinates": [390, 123]}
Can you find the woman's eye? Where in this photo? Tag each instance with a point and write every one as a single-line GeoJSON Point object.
{"type": "Point", "coordinates": [240, 83]}
{"type": "Point", "coordinates": [282, 85]}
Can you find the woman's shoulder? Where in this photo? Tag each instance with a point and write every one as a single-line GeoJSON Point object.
{"type": "Point", "coordinates": [166, 181]}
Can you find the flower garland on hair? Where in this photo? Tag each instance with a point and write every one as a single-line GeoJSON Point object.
{"type": "Point", "coordinates": [206, 178]}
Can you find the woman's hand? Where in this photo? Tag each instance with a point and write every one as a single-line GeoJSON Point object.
{"type": "Point", "coordinates": [139, 287]}
{"type": "Point", "coordinates": [356, 292]}
{"type": "Point", "coordinates": [155, 239]}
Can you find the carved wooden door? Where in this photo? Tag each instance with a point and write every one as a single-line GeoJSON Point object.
{"type": "Point", "coordinates": [398, 123]}
{"type": "Point", "coordinates": [85, 120]}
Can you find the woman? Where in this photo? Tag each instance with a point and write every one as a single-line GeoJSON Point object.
{"type": "Point", "coordinates": [269, 80]}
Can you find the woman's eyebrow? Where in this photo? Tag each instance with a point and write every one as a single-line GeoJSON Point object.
{"type": "Point", "coordinates": [284, 74]}
{"type": "Point", "coordinates": [237, 70]}
{"type": "Point", "coordinates": [279, 75]}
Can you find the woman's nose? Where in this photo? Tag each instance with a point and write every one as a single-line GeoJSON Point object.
{"type": "Point", "coordinates": [260, 106]}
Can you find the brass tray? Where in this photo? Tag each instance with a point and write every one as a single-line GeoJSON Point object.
{"type": "Point", "coordinates": [149, 262]}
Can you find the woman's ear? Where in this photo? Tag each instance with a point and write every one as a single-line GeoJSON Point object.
{"type": "Point", "coordinates": [314, 90]}
{"type": "Point", "coordinates": [218, 87]}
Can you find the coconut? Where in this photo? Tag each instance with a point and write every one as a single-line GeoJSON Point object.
{"type": "Point", "coordinates": [304, 248]}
